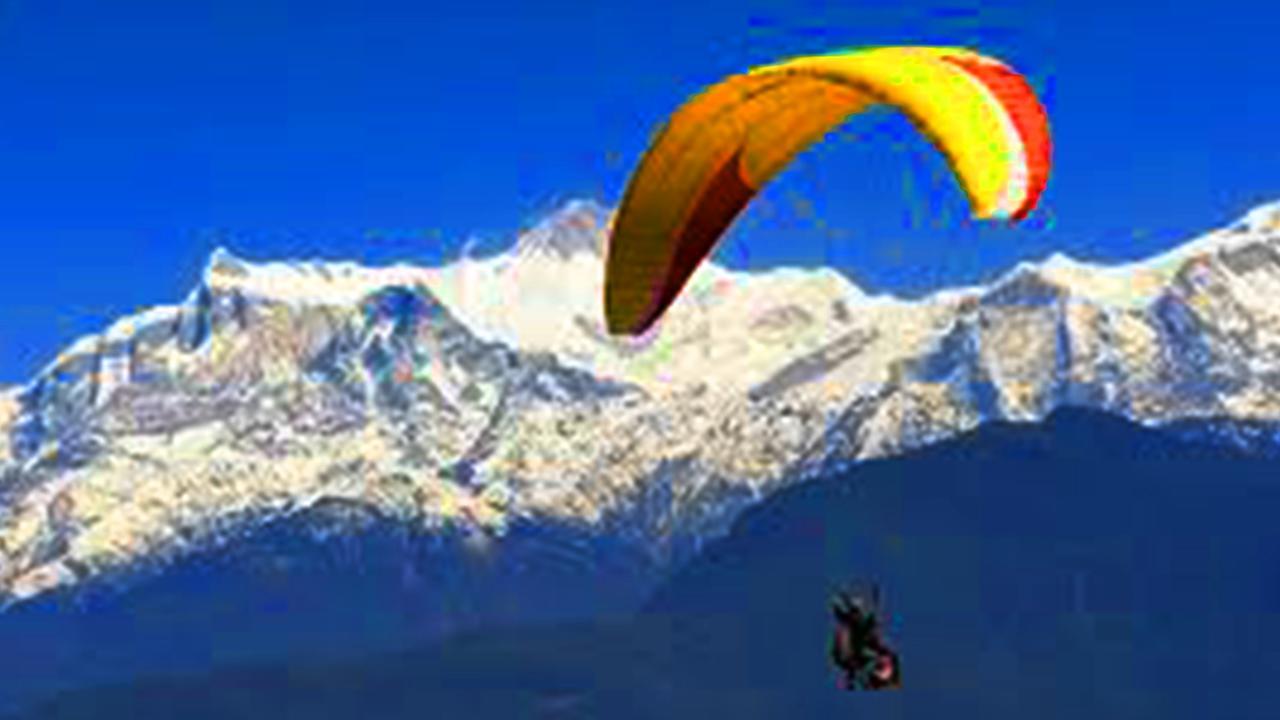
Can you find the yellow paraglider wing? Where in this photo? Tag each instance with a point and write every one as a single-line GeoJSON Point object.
{"type": "Point", "coordinates": [721, 147]}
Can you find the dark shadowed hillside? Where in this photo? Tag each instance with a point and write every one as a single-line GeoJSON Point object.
{"type": "Point", "coordinates": [335, 583]}
{"type": "Point", "coordinates": [1085, 567]}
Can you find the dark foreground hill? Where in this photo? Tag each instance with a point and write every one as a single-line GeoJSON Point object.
{"type": "Point", "coordinates": [335, 583]}
{"type": "Point", "coordinates": [1084, 567]}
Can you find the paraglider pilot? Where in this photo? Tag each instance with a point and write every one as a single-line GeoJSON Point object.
{"type": "Point", "coordinates": [858, 650]}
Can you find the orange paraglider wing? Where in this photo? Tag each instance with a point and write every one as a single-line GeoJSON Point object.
{"type": "Point", "coordinates": [719, 149]}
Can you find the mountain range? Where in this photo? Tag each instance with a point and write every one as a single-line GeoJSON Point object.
{"type": "Point", "coordinates": [473, 421]}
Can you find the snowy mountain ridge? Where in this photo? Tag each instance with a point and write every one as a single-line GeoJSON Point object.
{"type": "Point", "coordinates": [485, 390]}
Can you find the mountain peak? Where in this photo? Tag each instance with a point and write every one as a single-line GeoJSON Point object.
{"type": "Point", "coordinates": [1026, 284]}
{"type": "Point", "coordinates": [1261, 219]}
{"type": "Point", "coordinates": [223, 264]}
{"type": "Point", "coordinates": [577, 227]}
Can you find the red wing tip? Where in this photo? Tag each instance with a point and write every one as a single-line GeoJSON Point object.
{"type": "Point", "coordinates": [1027, 207]}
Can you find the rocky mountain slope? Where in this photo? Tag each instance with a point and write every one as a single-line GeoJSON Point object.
{"type": "Point", "coordinates": [484, 392]}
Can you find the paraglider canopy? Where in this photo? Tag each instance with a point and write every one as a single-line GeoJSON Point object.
{"type": "Point", "coordinates": [718, 150]}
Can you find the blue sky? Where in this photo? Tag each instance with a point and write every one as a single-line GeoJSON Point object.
{"type": "Point", "coordinates": [138, 135]}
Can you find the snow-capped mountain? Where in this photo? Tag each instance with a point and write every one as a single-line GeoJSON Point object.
{"type": "Point", "coordinates": [486, 391]}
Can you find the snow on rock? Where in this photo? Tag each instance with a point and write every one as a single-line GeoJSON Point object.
{"type": "Point", "coordinates": [487, 390]}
